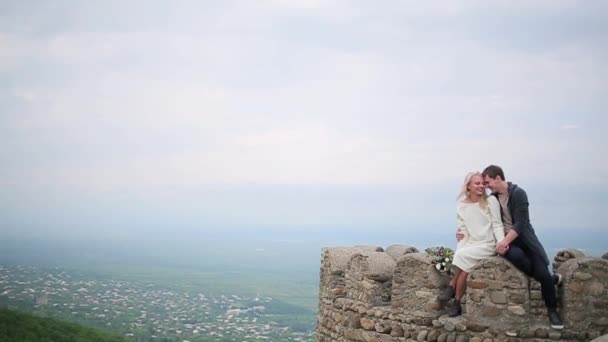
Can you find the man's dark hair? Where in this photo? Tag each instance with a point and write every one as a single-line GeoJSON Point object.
{"type": "Point", "coordinates": [492, 171]}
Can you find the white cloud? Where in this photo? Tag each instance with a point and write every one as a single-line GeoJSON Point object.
{"type": "Point", "coordinates": [302, 4]}
{"type": "Point", "coordinates": [27, 95]}
{"type": "Point", "coordinates": [398, 102]}
{"type": "Point", "coordinates": [568, 127]}
{"type": "Point", "coordinates": [303, 93]}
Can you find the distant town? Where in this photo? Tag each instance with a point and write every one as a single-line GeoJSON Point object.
{"type": "Point", "coordinates": [141, 311]}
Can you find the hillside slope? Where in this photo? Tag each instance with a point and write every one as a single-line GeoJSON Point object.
{"type": "Point", "coordinates": [22, 327]}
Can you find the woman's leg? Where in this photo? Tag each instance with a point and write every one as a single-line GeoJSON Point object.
{"type": "Point", "coordinates": [461, 284]}
{"type": "Point", "coordinates": [449, 291]}
{"type": "Point", "coordinates": [455, 277]}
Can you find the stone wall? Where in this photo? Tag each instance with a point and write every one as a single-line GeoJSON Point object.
{"type": "Point", "coordinates": [585, 294]}
{"type": "Point", "coordinates": [367, 294]}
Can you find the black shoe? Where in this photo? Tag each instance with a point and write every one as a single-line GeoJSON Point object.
{"type": "Point", "coordinates": [555, 320]}
{"type": "Point", "coordinates": [557, 279]}
{"type": "Point", "coordinates": [447, 294]}
{"type": "Point", "coordinates": [455, 310]}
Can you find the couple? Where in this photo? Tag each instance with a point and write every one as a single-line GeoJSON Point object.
{"type": "Point", "coordinates": [498, 223]}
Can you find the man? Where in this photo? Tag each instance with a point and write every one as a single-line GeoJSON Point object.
{"type": "Point", "coordinates": [520, 245]}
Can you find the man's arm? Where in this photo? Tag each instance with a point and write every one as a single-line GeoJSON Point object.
{"type": "Point", "coordinates": [521, 215]}
{"type": "Point", "coordinates": [503, 245]}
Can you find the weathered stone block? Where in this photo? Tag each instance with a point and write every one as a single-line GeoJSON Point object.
{"type": "Point", "coordinates": [353, 335]}
{"type": "Point", "coordinates": [517, 310]}
{"type": "Point", "coordinates": [383, 327]}
{"type": "Point", "coordinates": [460, 327]}
{"type": "Point", "coordinates": [497, 285]}
{"type": "Point", "coordinates": [397, 251]}
{"type": "Point", "coordinates": [517, 298]}
{"type": "Point", "coordinates": [462, 338]}
{"type": "Point", "coordinates": [491, 311]}
{"type": "Point", "coordinates": [541, 332]}
{"type": "Point", "coordinates": [432, 336]}
{"type": "Point", "coordinates": [602, 321]}
{"type": "Point", "coordinates": [449, 326]}
{"type": "Point", "coordinates": [498, 297]}
{"type": "Point", "coordinates": [353, 321]}
{"type": "Point", "coordinates": [576, 287]}
{"type": "Point", "coordinates": [593, 334]}
{"type": "Point", "coordinates": [583, 276]}
{"type": "Point", "coordinates": [369, 336]}
{"type": "Point", "coordinates": [603, 338]}
{"type": "Point", "coordinates": [476, 327]}
{"type": "Point", "coordinates": [397, 331]}
{"type": "Point", "coordinates": [596, 288]}
{"type": "Point", "coordinates": [477, 285]}
{"type": "Point", "coordinates": [367, 324]}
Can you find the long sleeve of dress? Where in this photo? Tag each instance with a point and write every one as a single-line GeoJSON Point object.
{"type": "Point", "coordinates": [460, 221]}
{"type": "Point", "coordinates": [461, 225]}
{"type": "Point", "coordinates": [497, 226]}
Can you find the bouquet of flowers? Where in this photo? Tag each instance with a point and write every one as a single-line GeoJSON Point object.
{"type": "Point", "coordinates": [442, 258]}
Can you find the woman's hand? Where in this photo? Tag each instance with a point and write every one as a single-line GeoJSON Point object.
{"type": "Point", "coordinates": [502, 247]}
{"type": "Point", "coordinates": [459, 235]}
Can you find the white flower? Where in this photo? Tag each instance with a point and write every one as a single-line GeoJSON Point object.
{"type": "Point", "coordinates": [447, 259]}
{"type": "Point", "coordinates": [443, 263]}
{"type": "Point", "coordinates": [438, 267]}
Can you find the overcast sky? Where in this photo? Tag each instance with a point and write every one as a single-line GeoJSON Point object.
{"type": "Point", "coordinates": [139, 116]}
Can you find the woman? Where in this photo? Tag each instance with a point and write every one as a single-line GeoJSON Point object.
{"type": "Point", "coordinates": [480, 222]}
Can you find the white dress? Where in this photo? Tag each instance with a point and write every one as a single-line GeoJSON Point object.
{"type": "Point", "coordinates": [482, 228]}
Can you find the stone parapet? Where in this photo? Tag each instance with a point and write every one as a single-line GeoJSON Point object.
{"type": "Point", "coordinates": [499, 296]}
{"type": "Point", "coordinates": [369, 278]}
{"type": "Point", "coordinates": [416, 285]}
{"type": "Point", "coordinates": [367, 294]}
{"type": "Point", "coordinates": [565, 255]}
{"type": "Point", "coordinates": [584, 293]}
{"type": "Point", "coordinates": [333, 268]}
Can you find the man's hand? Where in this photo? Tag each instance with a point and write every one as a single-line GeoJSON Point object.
{"type": "Point", "coordinates": [502, 247]}
{"type": "Point", "coordinates": [459, 235]}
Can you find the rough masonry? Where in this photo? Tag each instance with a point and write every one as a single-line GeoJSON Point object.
{"type": "Point", "coordinates": [371, 294]}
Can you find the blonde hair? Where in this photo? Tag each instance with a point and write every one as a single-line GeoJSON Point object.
{"type": "Point", "coordinates": [464, 192]}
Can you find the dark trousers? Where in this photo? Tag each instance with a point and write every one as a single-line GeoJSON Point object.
{"type": "Point", "coordinates": [534, 266]}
